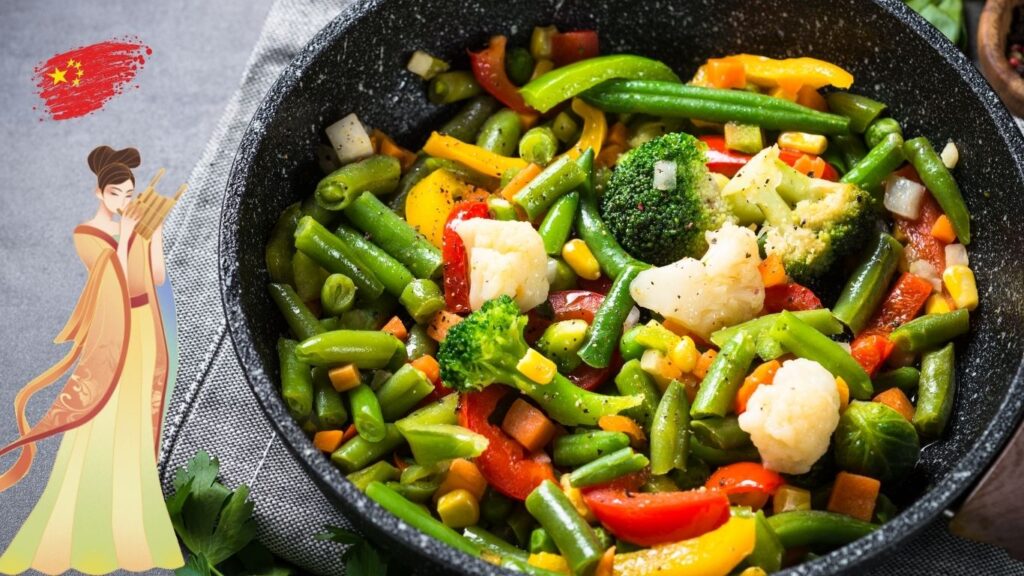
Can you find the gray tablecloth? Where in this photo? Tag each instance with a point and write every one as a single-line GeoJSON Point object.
{"type": "Point", "coordinates": [212, 407]}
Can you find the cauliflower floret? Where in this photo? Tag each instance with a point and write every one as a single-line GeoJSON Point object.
{"type": "Point", "coordinates": [505, 258]}
{"type": "Point", "coordinates": [721, 289]}
{"type": "Point", "coordinates": [792, 420]}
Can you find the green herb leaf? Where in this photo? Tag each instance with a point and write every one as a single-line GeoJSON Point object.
{"type": "Point", "coordinates": [196, 565]}
{"type": "Point", "coordinates": [363, 560]}
{"type": "Point", "coordinates": [340, 535]}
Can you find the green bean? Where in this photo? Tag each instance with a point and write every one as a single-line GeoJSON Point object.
{"type": "Point", "coordinates": [718, 457]}
{"type": "Point", "coordinates": [564, 277]}
{"type": "Point", "coordinates": [768, 549]}
{"type": "Point", "coordinates": [501, 209]}
{"type": "Point", "coordinates": [418, 472]}
{"type": "Point", "coordinates": [806, 342]}
{"type": "Point", "coordinates": [571, 533]}
{"type": "Point", "coordinates": [468, 121]}
{"type": "Point", "coordinates": [439, 442]}
{"type": "Point", "coordinates": [327, 402]}
{"type": "Point", "coordinates": [296, 381]}
{"type": "Point", "coordinates": [419, 344]}
{"type": "Point", "coordinates": [931, 331]}
{"type": "Point", "coordinates": [419, 170]}
{"type": "Point", "coordinates": [608, 467]}
{"type": "Point", "coordinates": [874, 168]}
{"type": "Point", "coordinates": [359, 453]}
{"type": "Point", "coordinates": [419, 491]}
{"type": "Point", "coordinates": [881, 128]}
{"type": "Point", "coordinates": [859, 109]}
{"type": "Point", "coordinates": [338, 294]}
{"type": "Point", "coordinates": [670, 431]}
{"type": "Point", "coordinates": [725, 375]}
{"type": "Point", "coordinates": [545, 92]}
{"type": "Point", "coordinates": [301, 321]}
{"type": "Point", "coordinates": [311, 208]}
{"type": "Point", "coordinates": [850, 147]}
{"type": "Point", "coordinates": [377, 472]}
{"type": "Point", "coordinates": [572, 450]}
{"type": "Point", "coordinates": [936, 391]}
{"type": "Point", "coordinates": [554, 230]}
{"type": "Point", "coordinates": [500, 133]}
{"type": "Point", "coordinates": [557, 179]}
{"type": "Point", "coordinates": [280, 247]}
{"type": "Point", "coordinates": [419, 519]}
{"type": "Point", "coordinates": [402, 391]}
{"type": "Point", "coordinates": [378, 174]}
{"type": "Point", "coordinates": [365, 348]}
{"type": "Point", "coordinates": [395, 236]}
{"type": "Point", "coordinates": [539, 145]}
{"type": "Point", "coordinates": [397, 361]}
{"type": "Point", "coordinates": [905, 379]}
{"type": "Point", "coordinates": [520, 565]}
{"type": "Point", "coordinates": [541, 541]}
{"type": "Point", "coordinates": [492, 543]}
{"type": "Point", "coordinates": [330, 323]}
{"type": "Point", "coordinates": [307, 277]}
{"type": "Point", "coordinates": [519, 65]}
{"type": "Point", "coordinates": [448, 87]}
{"type": "Point", "coordinates": [632, 380]}
{"type": "Point", "coordinates": [566, 129]}
{"type": "Point", "coordinates": [495, 507]}
{"type": "Point", "coordinates": [360, 319]}
{"type": "Point", "coordinates": [606, 329]}
{"type": "Point", "coordinates": [654, 336]}
{"type": "Point", "coordinates": [442, 411]}
{"type": "Point", "coordinates": [336, 255]}
{"type": "Point", "coordinates": [655, 484]}
{"type": "Point", "coordinates": [869, 283]}
{"type": "Point", "coordinates": [816, 528]}
{"type": "Point", "coordinates": [606, 249]}
{"type": "Point", "coordinates": [835, 157]}
{"type": "Point", "coordinates": [697, 471]}
{"type": "Point", "coordinates": [629, 347]}
{"type": "Point", "coordinates": [521, 523]}
{"type": "Point", "coordinates": [422, 298]}
{"type": "Point", "coordinates": [391, 273]}
{"type": "Point", "coordinates": [720, 433]}
{"type": "Point", "coordinates": [820, 319]}
{"type": "Point", "coordinates": [561, 341]}
{"type": "Point", "coordinates": [366, 413]}
{"type": "Point", "coordinates": [604, 537]}
{"type": "Point", "coordinates": [936, 177]}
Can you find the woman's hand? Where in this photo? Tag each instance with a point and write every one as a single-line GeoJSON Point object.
{"type": "Point", "coordinates": [127, 227]}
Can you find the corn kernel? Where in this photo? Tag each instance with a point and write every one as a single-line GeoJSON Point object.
{"type": "Point", "coordinates": [844, 393]}
{"type": "Point", "coordinates": [803, 142]}
{"type": "Point", "coordinates": [753, 571]}
{"type": "Point", "coordinates": [578, 256]}
{"type": "Point", "coordinates": [962, 287]}
{"type": "Point", "coordinates": [575, 496]}
{"type": "Point", "coordinates": [549, 561]}
{"type": "Point", "coordinates": [685, 354]}
{"type": "Point", "coordinates": [660, 367]}
{"type": "Point", "coordinates": [536, 367]}
{"type": "Point", "coordinates": [458, 509]}
{"type": "Point", "coordinates": [936, 304]}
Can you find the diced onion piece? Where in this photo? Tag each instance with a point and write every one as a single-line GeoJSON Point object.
{"type": "Point", "coordinates": [664, 175]}
{"type": "Point", "coordinates": [950, 155]}
{"type": "Point", "coordinates": [926, 270]}
{"type": "Point", "coordinates": [631, 319]}
{"type": "Point", "coordinates": [956, 254]}
{"type": "Point", "coordinates": [903, 197]}
{"type": "Point", "coordinates": [425, 66]}
{"type": "Point", "coordinates": [350, 139]}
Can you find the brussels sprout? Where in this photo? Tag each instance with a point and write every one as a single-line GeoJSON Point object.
{"type": "Point", "coordinates": [874, 440]}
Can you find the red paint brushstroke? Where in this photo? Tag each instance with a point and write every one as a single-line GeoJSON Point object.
{"type": "Point", "coordinates": [81, 81]}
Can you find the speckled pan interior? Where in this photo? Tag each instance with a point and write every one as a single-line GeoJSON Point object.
{"type": "Point", "coordinates": [357, 63]}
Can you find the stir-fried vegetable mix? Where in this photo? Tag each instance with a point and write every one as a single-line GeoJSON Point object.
{"type": "Point", "coordinates": [578, 331]}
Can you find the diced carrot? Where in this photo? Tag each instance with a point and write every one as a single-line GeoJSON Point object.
{"type": "Point", "coordinates": [942, 230]}
{"type": "Point", "coordinates": [813, 166]}
{"type": "Point", "coordinates": [897, 400]}
{"type": "Point", "coordinates": [519, 181]}
{"type": "Point", "coordinates": [528, 425]}
{"type": "Point", "coordinates": [396, 328]}
{"type": "Point", "coordinates": [429, 366]}
{"type": "Point", "coordinates": [441, 323]}
{"type": "Point", "coordinates": [773, 273]}
{"type": "Point", "coordinates": [606, 566]}
{"type": "Point", "coordinates": [788, 89]}
{"type": "Point", "coordinates": [385, 145]}
{"type": "Point", "coordinates": [328, 440]}
{"type": "Point", "coordinates": [725, 73]}
{"type": "Point", "coordinates": [350, 433]}
{"type": "Point", "coordinates": [808, 96]}
{"type": "Point", "coordinates": [344, 377]}
{"type": "Point", "coordinates": [609, 156]}
{"type": "Point", "coordinates": [854, 495]}
{"type": "Point", "coordinates": [462, 474]}
{"type": "Point", "coordinates": [763, 374]}
{"type": "Point", "coordinates": [617, 135]}
{"type": "Point", "coordinates": [844, 393]}
{"type": "Point", "coordinates": [704, 362]}
{"type": "Point", "coordinates": [624, 424]}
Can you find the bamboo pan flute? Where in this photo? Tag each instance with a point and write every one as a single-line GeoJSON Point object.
{"type": "Point", "coordinates": [150, 208]}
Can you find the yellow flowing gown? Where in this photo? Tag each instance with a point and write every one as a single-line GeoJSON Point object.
{"type": "Point", "coordinates": [102, 509]}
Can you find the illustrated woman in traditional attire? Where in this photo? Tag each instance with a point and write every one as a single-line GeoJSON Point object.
{"type": "Point", "coordinates": [102, 508]}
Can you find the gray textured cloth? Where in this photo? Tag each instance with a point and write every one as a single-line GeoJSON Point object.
{"type": "Point", "coordinates": [213, 408]}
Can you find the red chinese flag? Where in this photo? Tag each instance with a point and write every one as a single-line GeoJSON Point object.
{"type": "Point", "coordinates": [81, 81]}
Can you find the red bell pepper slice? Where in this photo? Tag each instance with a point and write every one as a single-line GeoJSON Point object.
{"type": "Point", "coordinates": [649, 519]}
{"type": "Point", "coordinates": [569, 47]}
{"type": "Point", "coordinates": [871, 351]}
{"type": "Point", "coordinates": [790, 296]}
{"type": "Point", "coordinates": [722, 160]}
{"type": "Point", "coordinates": [921, 244]}
{"type": "Point", "coordinates": [872, 347]}
{"type": "Point", "coordinates": [456, 262]}
{"type": "Point", "coordinates": [504, 463]}
{"type": "Point", "coordinates": [745, 483]}
{"type": "Point", "coordinates": [489, 70]}
{"type": "Point", "coordinates": [572, 305]}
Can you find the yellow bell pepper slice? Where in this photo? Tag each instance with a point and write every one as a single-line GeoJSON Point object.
{"type": "Point", "coordinates": [595, 127]}
{"type": "Point", "coordinates": [475, 157]}
{"type": "Point", "coordinates": [713, 554]}
{"type": "Point", "coordinates": [771, 73]}
{"type": "Point", "coordinates": [431, 200]}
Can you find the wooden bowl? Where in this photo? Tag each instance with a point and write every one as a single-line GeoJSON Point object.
{"type": "Point", "coordinates": [992, 31]}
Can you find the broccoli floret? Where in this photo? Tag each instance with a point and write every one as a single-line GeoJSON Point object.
{"type": "Point", "coordinates": [486, 347]}
{"type": "Point", "coordinates": [663, 226]}
{"type": "Point", "coordinates": [808, 222]}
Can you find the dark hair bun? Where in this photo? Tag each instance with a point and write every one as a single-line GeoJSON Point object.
{"type": "Point", "coordinates": [113, 166]}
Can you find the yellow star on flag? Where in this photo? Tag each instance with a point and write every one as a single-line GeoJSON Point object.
{"type": "Point", "coordinates": [58, 76]}
{"type": "Point", "coordinates": [75, 82]}
{"type": "Point", "coordinates": [71, 62]}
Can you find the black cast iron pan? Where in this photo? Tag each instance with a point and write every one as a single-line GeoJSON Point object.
{"type": "Point", "coordinates": [357, 63]}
